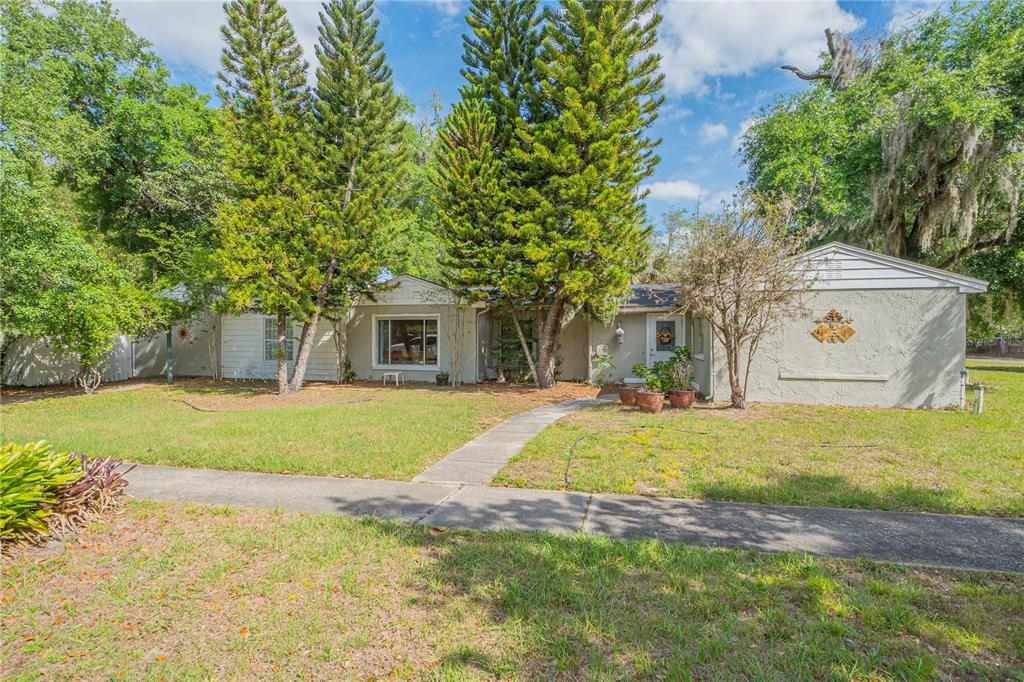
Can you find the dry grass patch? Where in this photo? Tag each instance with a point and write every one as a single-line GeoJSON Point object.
{"type": "Point", "coordinates": [191, 592]}
{"type": "Point", "coordinates": [927, 460]}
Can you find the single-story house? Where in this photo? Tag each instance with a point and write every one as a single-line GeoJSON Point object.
{"type": "Point", "coordinates": [877, 330]}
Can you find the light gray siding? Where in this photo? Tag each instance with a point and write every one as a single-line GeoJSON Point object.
{"type": "Point", "coordinates": [37, 362]}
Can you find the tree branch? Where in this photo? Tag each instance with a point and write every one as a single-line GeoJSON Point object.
{"type": "Point", "coordinates": [972, 248]}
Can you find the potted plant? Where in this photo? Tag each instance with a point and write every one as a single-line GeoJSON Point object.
{"type": "Point", "coordinates": [680, 378]}
{"type": "Point", "coordinates": [442, 378]}
{"type": "Point", "coordinates": [651, 398]}
{"type": "Point", "coordinates": [627, 393]}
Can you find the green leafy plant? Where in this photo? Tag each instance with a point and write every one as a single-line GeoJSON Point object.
{"type": "Point", "coordinates": [31, 477]}
{"type": "Point", "coordinates": [666, 375]}
{"type": "Point", "coordinates": [43, 492]}
{"type": "Point", "coordinates": [653, 380]}
{"type": "Point", "coordinates": [600, 364]}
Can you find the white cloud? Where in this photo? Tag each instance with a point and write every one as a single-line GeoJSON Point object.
{"type": "Point", "coordinates": [187, 32]}
{"type": "Point", "coordinates": [906, 14]}
{"type": "Point", "coordinates": [703, 40]}
{"type": "Point", "coordinates": [671, 111]}
{"type": "Point", "coordinates": [713, 132]}
{"type": "Point", "coordinates": [674, 190]}
{"type": "Point", "coordinates": [745, 125]}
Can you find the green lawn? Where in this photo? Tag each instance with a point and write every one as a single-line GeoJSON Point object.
{"type": "Point", "coordinates": [324, 430]}
{"type": "Point", "coordinates": [191, 592]}
{"type": "Point", "coordinates": [941, 461]}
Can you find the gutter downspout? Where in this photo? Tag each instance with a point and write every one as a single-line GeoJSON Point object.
{"type": "Point", "coordinates": [487, 306]}
{"type": "Point", "coordinates": [711, 364]}
{"type": "Point", "coordinates": [590, 352]}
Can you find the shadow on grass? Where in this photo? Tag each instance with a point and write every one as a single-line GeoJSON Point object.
{"type": "Point", "coordinates": [834, 491]}
{"type": "Point", "coordinates": [583, 607]}
{"type": "Point", "coordinates": [1015, 369]}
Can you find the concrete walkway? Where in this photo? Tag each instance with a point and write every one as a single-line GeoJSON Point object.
{"type": "Point", "coordinates": [931, 539]}
{"type": "Point", "coordinates": [479, 460]}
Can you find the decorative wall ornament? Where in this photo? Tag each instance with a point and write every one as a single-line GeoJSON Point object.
{"type": "Point", "coordinates": [665, 335]}
{"type": "Point", "coordinates": [833, 328]}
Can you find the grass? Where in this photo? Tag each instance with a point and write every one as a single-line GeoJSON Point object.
{"type": "Point", "coordinates": [324, 430]}
{"type": "Point", "coordinates": [940, 461]}
{"type": "Point", "coordinates": [192, 592]}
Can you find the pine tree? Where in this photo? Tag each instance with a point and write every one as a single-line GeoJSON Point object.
{"type": "Point", "coordinates": [500, 57]}
{"type": "Point", "coordinates": [587, 234]}
{"type": "Point", "coordinates": [360, 136]}
{"type": "Point", "coordinates": [265, 229]}
{"type": "Point", "coordinates": [483, 255]}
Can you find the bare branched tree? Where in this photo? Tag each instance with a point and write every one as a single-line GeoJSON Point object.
{"type": "Point", "coordinates": [740, 270]}
{"type": "Point", "coordinates": [845, 63]}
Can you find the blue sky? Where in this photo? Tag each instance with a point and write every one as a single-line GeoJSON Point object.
{"type": "Point", "coordinates": [720, 61]}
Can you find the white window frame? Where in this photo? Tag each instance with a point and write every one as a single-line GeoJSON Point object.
{"type": "Point", "coordinates": [404, 316]}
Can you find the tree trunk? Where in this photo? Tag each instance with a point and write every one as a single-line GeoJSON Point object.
{"type": "Point", "coordinates": [282, 353]}
{"type": "Point", "coordinates": [525, 346]}
{"type": "Point", "coordinates": [309, 328]}
{"type": "Point", "coordinates": [736, 396]}
{"type": "Point", "coordinates": [550, 331]}
{"type": "Point", "coordinates": [340, 327]}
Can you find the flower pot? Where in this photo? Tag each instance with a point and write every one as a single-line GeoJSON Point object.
{"type": "Point", "coordinates": [681, 398]}
{"type": "Point", "coordinates": [650, 401]}
{"type": "Point", "coordinates": [441, 381]}
{"type": "Point", "coordinates": [627, 394]}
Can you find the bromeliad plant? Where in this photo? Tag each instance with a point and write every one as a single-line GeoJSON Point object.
{"type": "Point", "coordinates": [45, 492]}
{"type": "Point", "coordinates": [30, 477]}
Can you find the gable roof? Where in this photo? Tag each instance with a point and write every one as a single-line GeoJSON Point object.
{"type": "Point", "coordinates": [652, 296]}
{"type": "Point", "coordinates": [840, 266]}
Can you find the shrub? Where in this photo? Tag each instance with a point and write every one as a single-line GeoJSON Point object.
{"type": "Point", "coordinates": [45, 492]}
{"type": "Point", "coordinates": [31, 476]}
{"type": "Point", "coordinates": [97, 490]}
{"type": "Point", "coordinates": [665, 375]}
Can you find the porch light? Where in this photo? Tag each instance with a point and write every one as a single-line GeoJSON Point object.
{"type": "Point", "coordinates": [620, 333]}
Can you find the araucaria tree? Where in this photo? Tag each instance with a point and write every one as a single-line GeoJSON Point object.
{"type": "Point", "coordinates": [740, 269]}
{"type": "Point", "coordinates": [359, 135]}
{"type": "Point", "coordinates": [481, 176]}
{"type": "Point", "coordinates": [586, 233]}
{"type": "Point", "coordinates": [541, 163]}
{"type": "Point", "coordinates": [265, 230]}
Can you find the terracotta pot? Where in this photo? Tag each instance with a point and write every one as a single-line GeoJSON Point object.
{"type": "Point", "coordinates": [627, 394]}
{"type": "Point", "coordinates": [650, 401]}
{"type": "Point", "coordinates": [681, 398]}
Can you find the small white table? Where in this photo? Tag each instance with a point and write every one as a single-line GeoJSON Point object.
{"type": "Point", "coordinates": [397, 376]}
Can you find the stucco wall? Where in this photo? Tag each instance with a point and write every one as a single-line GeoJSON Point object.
{"type": "Point", "coordinates": [572, 350]}
{"type": "Point", "coordinates": [908, 351]}
{"type": "Point", "coordinates": [626, 354]}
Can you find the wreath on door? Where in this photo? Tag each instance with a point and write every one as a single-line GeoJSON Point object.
{"type": "Point", "coordinates": [665, 336]}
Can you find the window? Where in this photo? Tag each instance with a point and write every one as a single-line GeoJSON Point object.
{"type": "Point", "coordinates": [406, 341]}
{"type": "Point", "coordinates": [698, 336]}
{"type": "Point", "coordinates": [270, 340]}
{"type": "Point", "coordinates": [665, 335]}
{"type": "Point", "coordinates": [506, 349]}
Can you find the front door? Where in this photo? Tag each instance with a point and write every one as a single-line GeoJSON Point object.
{"type": "Point", "coordinates": [664, 333]}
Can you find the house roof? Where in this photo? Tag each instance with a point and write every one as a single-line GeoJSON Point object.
{"type": "Point", "coordinates": [652, 296]}
{"type": "Point", "coordinates": [840, 266]}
